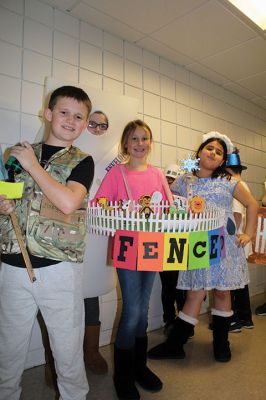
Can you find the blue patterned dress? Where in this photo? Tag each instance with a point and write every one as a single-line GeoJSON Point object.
{"type": "Point", "coordinates": [232, 272]}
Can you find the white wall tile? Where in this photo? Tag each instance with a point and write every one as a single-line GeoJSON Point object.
{"type": "Point", "coordinates": [195, 99]}
{"type": "Point", "coordinates": [9, 127]}
{"type": "Point", "coordinates": [137, 93]}
{"type": "Point", "coordinates": [168, 110]}
{"type": "Point", "coordinates": [182, 114]}
{"type": "Point", "coordinates": [168, 133]}
{"type": "Point", "coordinates": [112, 85]}
{"type": "Point", "coordinates": [90, 57]}
{"type": "Point", "coordinates": [108, 310]}
{"type": "Point", "coordinates": [30, 124]}
{"type": "Point", "coordinates": [9, 93]}
{"type": "Point", "coordinates": [91, 34]}
{"type": "Point", "coordinates": [151, 60]}
{"type": "Point", "coordinates": [10, 27]}
{"type": "Point", "coordinates": [113, 44]}
{"type": "Point", "coordinates": [109, 296]}
{"type": "Point", "coordinates": [66, 23]}
{"type": "Point", "coordinates": [13, 5]}
{"type": "Point", "coordinates": [167, 87]}
{"type": "Point", "coordinates": [151, 104]}
{"type": "Point", "coordinates": [31, 100]}
{"type": "Point", "coordinates": [66, 48]}
{"type": "Point", "coordinates": [37, 37]}
{"type": "Point", "coordinates": [167, 68]}
{"type": "Point", "coordinates": [182, 93]}
{"type": "Point", "coordinates": [188, 138]}
{"type": "Point", "coordinates": [169, 155]}
{"type": "Point", "coordinates": [90, 78]}
{"type": "Point", "coordinates": [39, 11]}
{"type": "Point", "coordinates": [155, 154]}
{"type": "Point", "coordinates": [263, 138]}
{"type": "Point", "coordinates": [181, 74]}
{"type": "Point", "coordinates": [113, 66]}
{"type": "Point", "coordinates": [10, 59]}
{"type": "Point", "coordinates": [133, 52]}
{"type": "Point", "coordinates": [198, 120]}
{"type": "Point", "coordinates": [154, 124]}
{"type": "Point", "coordinates": [65, 71]}
{"type": "Point", "coordinates": [151, 81]}
{"type": "Point", "coordinates": [36, 66]}
{"type": "Point", "coordinates": [133, 74]}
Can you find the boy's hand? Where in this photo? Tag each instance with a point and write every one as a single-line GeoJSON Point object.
{"type": "Point", "coordinates": [25, 155]}
{"type": "Point", "coordinates": [243, 239]}
{"type": "Point", "coordinates": [6, 206]}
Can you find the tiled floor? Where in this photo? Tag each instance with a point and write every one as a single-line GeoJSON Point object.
{"type": "Point", "coordinates": [198, 377]}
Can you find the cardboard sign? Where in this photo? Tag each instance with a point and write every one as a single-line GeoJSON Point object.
{"type": "Point", "coordinates": [168, 251]}
{"type": "Point", "coordinates": [150, 251]}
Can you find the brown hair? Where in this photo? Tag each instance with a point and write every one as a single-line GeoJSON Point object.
{"type": "Point", "coordinates": [128, 130]}
{"type": "Point", "coordinates": [72, 92]}
{"type": "Point", "coordinates": [220, 171]}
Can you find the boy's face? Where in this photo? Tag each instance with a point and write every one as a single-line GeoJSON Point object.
{"type": "Point", "coordinates": [67, 120]}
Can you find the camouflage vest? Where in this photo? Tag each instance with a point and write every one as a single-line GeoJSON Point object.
{"type": "Point", "coordinates": [47, 231]}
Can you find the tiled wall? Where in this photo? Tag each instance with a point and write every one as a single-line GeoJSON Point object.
{"type": "Point", "coordinates": [38, 41]}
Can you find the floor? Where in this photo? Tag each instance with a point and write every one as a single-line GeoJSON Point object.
{"type": "Point", "coordinates": [198, 377]}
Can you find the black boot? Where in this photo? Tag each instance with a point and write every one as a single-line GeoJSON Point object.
{"type": "Point", "coordinates": [124, 374]}
{"type": "Point", "coordinates": [173, 346]}
{"type": "Point", "coordinates": [221, 347]}
{"type": "Point", "coordinates": [144, 376]}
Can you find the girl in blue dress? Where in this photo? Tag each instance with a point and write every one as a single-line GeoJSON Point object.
{"type": "Point", "coordinates": [218, 189]}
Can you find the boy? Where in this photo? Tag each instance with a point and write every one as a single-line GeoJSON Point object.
{"type": "Point", "coordinates": [51, 215]}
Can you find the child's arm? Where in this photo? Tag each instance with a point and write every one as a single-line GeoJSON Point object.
{"type": "Point", "coordinates": [67, 198]}
{"type": "Point", "coordinates": [246, 198]}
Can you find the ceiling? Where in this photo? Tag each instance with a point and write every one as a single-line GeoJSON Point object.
{"type": "Point", "coordinates": [208, 37]}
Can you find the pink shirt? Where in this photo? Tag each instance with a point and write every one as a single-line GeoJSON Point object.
{"type": "Point", "coordinates": [140, 183]}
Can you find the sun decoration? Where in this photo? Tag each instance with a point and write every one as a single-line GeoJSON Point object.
{"type": "Point", "coordinates": [197, 204]}
{"type": "Point", "coordinates": [189, 164]}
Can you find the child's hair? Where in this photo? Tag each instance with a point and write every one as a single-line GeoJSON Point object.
{"type": "Point", "coordinates": [130, 128]}
{"type": "Point", "coordinates": [72, 92]}
{"type": "Point", "coordinates": [101, 112]}
{"type": "Point", "coordinates": [220, 171]}
{"type": "Point", "coordinates": [237, 169]}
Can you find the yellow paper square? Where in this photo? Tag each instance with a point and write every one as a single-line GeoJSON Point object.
{"type": "Point", "coordinates": [11, 190]}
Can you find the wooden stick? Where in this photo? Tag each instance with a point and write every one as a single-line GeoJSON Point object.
{"type": "Point", "coordinates": [22, 246]}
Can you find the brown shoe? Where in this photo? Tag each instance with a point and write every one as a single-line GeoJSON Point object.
{"type": "Point", "coordinates": [92, 357]}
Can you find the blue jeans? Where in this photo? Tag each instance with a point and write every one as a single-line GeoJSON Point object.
{"type": "Point", "coordinates": [136, 290]}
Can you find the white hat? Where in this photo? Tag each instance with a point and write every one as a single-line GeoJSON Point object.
{"type": "Point", "coordinates": [218, 135]}
{"type": "Point", "coordinates": [172, 170]}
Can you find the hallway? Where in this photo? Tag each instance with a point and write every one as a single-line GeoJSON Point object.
{"type": "Point", "coordinates": [198, 377]}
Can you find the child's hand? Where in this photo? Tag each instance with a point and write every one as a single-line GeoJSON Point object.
{"type": "Point", "coordinates": [243, 239]}
{"type": "Point", "coordinates": [25, 155]}
{"type": "Point", "coordinates": [6, 206]}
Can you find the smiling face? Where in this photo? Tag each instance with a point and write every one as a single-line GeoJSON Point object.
{"type": "Point", "coordinates": [98, 123]}
{"type": "Point", "coordinates": [139, 143]}
{"type": "Point", "coordinates": [67, 120]}
{"type": "Point", "coordinates": [211, 157]}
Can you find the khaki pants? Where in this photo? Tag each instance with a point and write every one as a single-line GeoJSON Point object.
{"type": "Point", "coordinates": [57, 292]}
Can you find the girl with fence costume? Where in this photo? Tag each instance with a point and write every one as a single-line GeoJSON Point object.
{"type": "Point", "coordinates": [134, 179]}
